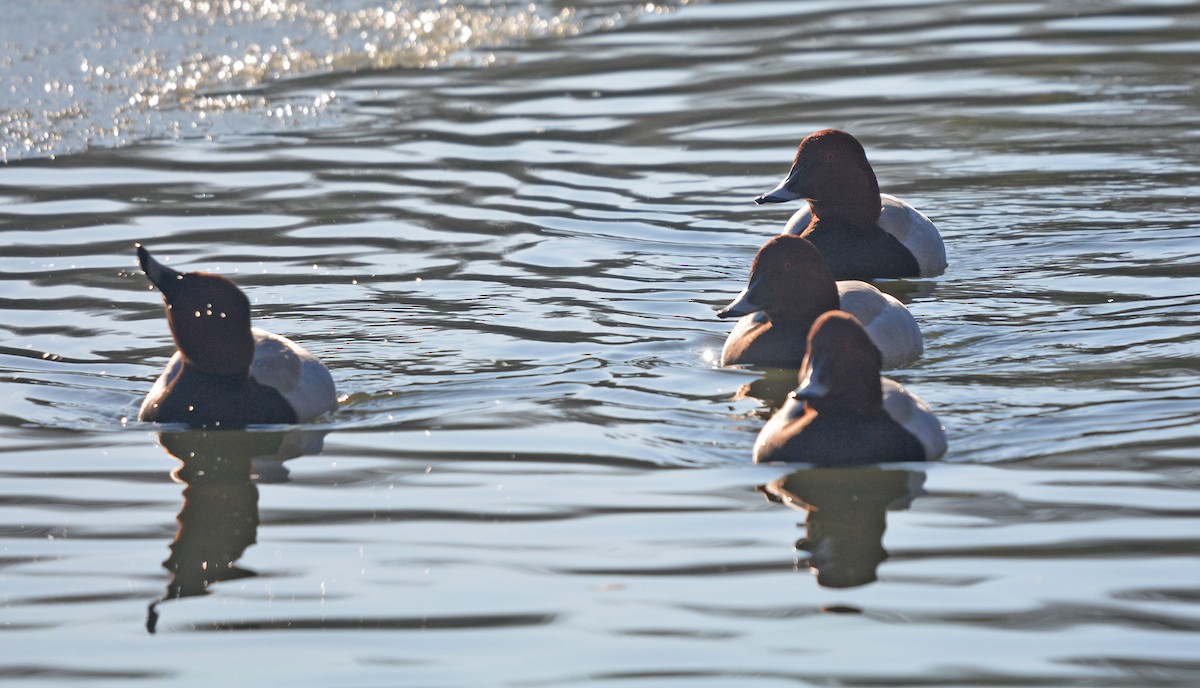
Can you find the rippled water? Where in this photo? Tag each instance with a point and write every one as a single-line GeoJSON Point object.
{"type": "Point", "coordinates": [504, 228]}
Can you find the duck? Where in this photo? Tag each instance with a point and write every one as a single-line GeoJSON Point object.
{"type": "Point", "coordinates": [224, 372]}
{"type": "Point", "coordinates": [862, 233]}
{"type": "Point", "coordinates": [790, 287]}
{"type": "Point", "coordinates": [843, 413]}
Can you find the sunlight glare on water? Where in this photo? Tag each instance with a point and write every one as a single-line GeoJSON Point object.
{"type": "Point", "coordinates": [86, 76]}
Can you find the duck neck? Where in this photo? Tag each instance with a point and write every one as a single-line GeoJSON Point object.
{"type": "Point", "coordinates": [843, 217]}
{"type": "Point", "coordinates": [225, 381]}
{"type": "Point", "coordinates": [859, 392]}
{"type": "Point", "coordinates": [855, 204]}
{"type": "Point", "coordinates": [815, 297]}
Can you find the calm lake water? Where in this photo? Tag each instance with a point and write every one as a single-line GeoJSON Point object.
{"type": "Point", "coordinates": [505, 230]}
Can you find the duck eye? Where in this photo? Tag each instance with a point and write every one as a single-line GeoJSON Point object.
{"type": "Point", "coordinates": [829, 156]}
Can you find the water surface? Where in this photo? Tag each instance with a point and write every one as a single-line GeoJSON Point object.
{"type": "Point", "coordinates": [505, 230]}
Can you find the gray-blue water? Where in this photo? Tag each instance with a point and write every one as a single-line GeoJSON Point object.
{"type": "Point", "coordinates": [504, 228]}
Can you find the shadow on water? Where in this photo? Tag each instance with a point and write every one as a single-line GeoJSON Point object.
{"type": "Point", "coordinates": [847, 515]}
{"type": "Point", "coordinates": [219, 517]}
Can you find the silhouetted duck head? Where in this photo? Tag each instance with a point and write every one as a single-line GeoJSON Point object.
{"type": "Point", "coordinates": [832, 173]}
{"type": "Point", "coordinates": [208, 315]}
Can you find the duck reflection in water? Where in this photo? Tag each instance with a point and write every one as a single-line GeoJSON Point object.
{"type": "Point", "coordinates": [847, 515]}
{"type": "Point", "coordinates": [771, 388]}
{"type": "Point", "coordinates": [219, 518]}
